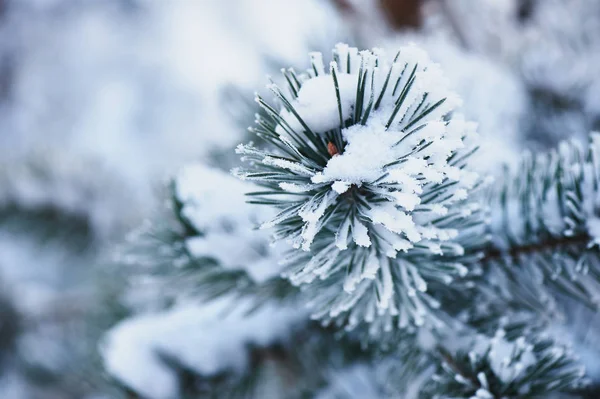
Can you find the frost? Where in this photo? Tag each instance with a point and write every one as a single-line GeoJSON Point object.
{"type": "Point", "coordinates": [397, 222]}
{"type": "Point", "coordinates": [291, 166]}
{"type": "Point", "coordinates": [439, 209]}
{"type": "Point", "coordinates": [341, 237]}
{"type": "Point", "coordinates": [295, 188]}
{"type": "Point", "coordinates": [386, 287]}
{"type": "Point", "coordinates": [483, 393]}
{"type": "Point", "coordinates": [312, 213]}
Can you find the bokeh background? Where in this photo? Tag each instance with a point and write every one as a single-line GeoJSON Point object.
{"type": "Point", "coordinates": [101, 101]}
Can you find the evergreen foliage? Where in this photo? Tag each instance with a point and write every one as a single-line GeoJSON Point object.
{"type": "Point", "coordinates": [456, 284]}
{"type": "Point", "coordinates": [544, 228]}
{"type": "Point", "coordinates": [365, 246]}
{"type": "Point", "coordinates": [375, 192]}
{"type": "Point", "coordinates": [519, 369]}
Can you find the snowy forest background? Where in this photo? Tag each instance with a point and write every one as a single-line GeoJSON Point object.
{"type": "Point", "coordinates": [102, 102]}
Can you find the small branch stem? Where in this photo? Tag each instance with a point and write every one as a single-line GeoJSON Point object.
{"type": "Point", "coordinates": [527, 249]}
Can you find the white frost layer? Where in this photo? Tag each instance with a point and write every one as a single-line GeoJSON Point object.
{"type": "Point", "coordinates": [214, 202]}
{"type": "Point", "coordinates": [208, 339]}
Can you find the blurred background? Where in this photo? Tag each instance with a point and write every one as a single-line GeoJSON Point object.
{"type": "Point", "coordinates": [101, 101]}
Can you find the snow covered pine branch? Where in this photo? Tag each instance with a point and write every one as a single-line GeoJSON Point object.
{"type": "Point", "coordinates": [546, 226]}
{"type": "Point", "coordinates": [525, 365]}
{"type": "Point", "coordinates": [234, 328]}
{"type": "Point", "coordinates": [367, 163]}
{"type": "Point", "coordinates": [364, 174]}
{"type": "Point", "coordinates": [205, 246]}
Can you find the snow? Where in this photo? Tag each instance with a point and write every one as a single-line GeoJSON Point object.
{"type": "Point", "coordinates": [341, 187]}
{"type": "Point", "coordinates": [144, 94]}
{"type": "Point", "coordinates": [317, 102]}
{"type": "Point", "coordinates": [41, 273]}
{"type": "Point", "coordinates": [214, 202]}
{"type": "Point", "coordinates": [209, 196]}
{"type": "Point", "coordinates": [394, 221]}
{"type": "Point", "coordinates": [209, 339]}
{"type": "Point", "coordinates": [369, 148]}
{"type": "Point", "coordinates": [360, 234]}
{"type": "Point", "coordinates": [559, 53]}
{"type": "Point", "coordinates": [483, 393]}
{"type": "Point", "coordinates": [555, 220]}
{"type": "Point", "coordinates": [374, 145]}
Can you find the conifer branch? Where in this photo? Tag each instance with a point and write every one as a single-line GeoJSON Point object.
{"type": "Point", "coordinates": [546, 220]}
{"type": "Point", "coordinates": [367, 166]}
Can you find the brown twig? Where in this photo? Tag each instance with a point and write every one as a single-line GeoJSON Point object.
{"type": "Point", "coordinates": [550, 244]}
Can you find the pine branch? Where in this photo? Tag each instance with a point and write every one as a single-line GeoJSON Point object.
{"type": "Point", "coordinates": [455, 367]}
{"type": "Point", "coordinates": [545, 222]}
{"type": "Point", "coordinates": [204, 244]}
{"type": "Point", "coordinates": [295, 366]}
{"type": "Point", "coordinates": [528, 366]}
{"type": "Point", "coordinates": [366, 165]}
